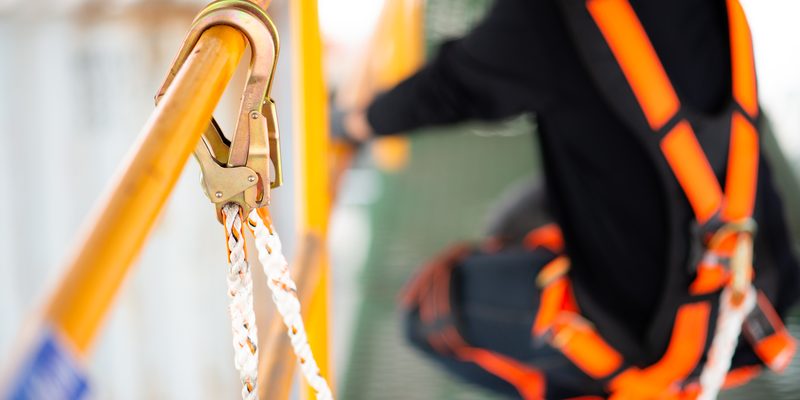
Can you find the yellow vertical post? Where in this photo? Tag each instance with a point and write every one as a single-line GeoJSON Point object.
{"type": "Point", "coordinates": [401, 25]}
{"type": "Point", "coordinates": [310, 117]}
{"type": "Point", "coordinates": [394, 52]}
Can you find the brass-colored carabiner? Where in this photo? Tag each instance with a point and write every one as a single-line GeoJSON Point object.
{"type": "Point", "coordinates": [238, 170]}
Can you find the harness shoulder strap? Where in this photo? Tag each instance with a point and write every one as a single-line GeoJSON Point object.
{"type": "Point", "coordinates": [745, 88]}
{"type": "Point", "coordinates": [625, 37]}
{"type": "Point", "coordinates": [626, 69]}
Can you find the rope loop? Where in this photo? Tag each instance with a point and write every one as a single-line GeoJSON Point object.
{"type": "Point", "coordinates": [729, 327]}
{"type": "Point", "coordinates": [284, 294]}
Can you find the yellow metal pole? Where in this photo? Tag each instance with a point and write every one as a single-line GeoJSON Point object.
{"type": "Point", "coordinates": [311, 122]}
{"type": "Point", "coordinates": [310, 113]}
{"type": "Point", "coordinates": [394, 52]}
{"type": "Point", "coordinates": [399, 42]}
{"type": "Point", "coordinates": [399, 45]}
{"type": "Point", "coordinates": [117, 230]}
{"type": "Point", "coordinates": [401, 27]}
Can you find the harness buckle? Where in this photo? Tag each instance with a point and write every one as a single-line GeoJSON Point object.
{"type": "Point", "coordinates": [238, 170]}
{"type": "Point", "coordinates": [741, 255]}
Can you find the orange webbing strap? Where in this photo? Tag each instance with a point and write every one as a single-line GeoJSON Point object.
{"type": "Point", "coordinates": [710, 278]}
{"type": "Point", "coordinates": [742, 179]}
{"type": "Point", "coordinates": [693, 171]}
{"type": "Point", "coordinates": [777, 350]}
{"type": "Point", "coordinates": [740, 376]}
{"type": "Point", "coordinates": [771, 341]}
{"type": "Point", "coordinates": [554, 284]}
{"type": "Point", "coordinates": [558, 319]}
{"type": "Point", "coordinates": [642, 68]}
{"type": "Point", "coordinates": [548, 236]}
{"type": "Point", "coordinates": [743, 68]}
{"type": "Point", "coordinates": [577, 339]}
{"type": "Point", "coordinates": [638, 59]}
{"type": "Point", "coordinates": [529, 381]}
{"type": "Point", "coordinates": [685, 350]}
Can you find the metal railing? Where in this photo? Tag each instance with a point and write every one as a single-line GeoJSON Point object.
{"type": "Point", "coordinates": [114, 234]}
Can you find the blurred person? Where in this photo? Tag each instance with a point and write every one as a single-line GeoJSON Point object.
{"type": "Point", "coordinates": [607, 280]}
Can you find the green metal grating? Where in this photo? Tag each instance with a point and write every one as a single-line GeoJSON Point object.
{"type": "Point", "coordinates": [451, 179]}
{"type": "Point", "coordinates": [450, 182]}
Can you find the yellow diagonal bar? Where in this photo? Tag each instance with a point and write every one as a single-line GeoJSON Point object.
{"type": "Point", "coordinates": [117, 230]}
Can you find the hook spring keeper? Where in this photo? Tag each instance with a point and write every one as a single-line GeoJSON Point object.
{"type": "Point", "coordinates": [238, 171]}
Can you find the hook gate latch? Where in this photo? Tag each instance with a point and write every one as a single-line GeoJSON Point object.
{"type": "Point", "coordinates": [238, 170]}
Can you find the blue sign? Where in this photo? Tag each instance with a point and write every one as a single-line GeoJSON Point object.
{"type": "Point", "coordinates": [51, 372]}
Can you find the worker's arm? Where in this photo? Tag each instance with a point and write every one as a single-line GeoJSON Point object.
{"type": "Point", "coordinates": [498, 70]}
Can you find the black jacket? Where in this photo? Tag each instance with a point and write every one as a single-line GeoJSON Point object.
{"type": "Point", "coordinates": [604, 188]}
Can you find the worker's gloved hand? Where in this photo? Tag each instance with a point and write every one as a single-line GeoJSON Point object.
{"type": "Point", "coordinates": [350, 126]}
{"type": "Point", "coordinates": [432, 277]}
{"type": "Point", "coordinates": [428, 298]}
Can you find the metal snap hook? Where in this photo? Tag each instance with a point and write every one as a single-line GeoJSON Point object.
{"type": "Point", "coordinates": [238, 170]}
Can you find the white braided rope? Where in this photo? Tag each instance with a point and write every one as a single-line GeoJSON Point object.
{"type": "Point", "coordinates": [284, 294]}
{"type": "Point", "coordinates": [240, 292]}
{"type": "Point", "coordinates": [726, 338]}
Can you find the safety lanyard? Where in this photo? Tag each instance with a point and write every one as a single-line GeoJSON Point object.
{"type": "Point", "coordinates": [236, 178]}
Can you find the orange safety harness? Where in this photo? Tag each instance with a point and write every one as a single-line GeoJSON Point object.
{"type": "Point", "coordinates": [559, 321]}
{"type": "Point", "coordinates": [725, 217]}
{"type": "Point", "coordinates": [629, 74]}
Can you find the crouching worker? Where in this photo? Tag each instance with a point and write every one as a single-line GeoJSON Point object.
{"type": "Point", "coordinates": [667, 267]}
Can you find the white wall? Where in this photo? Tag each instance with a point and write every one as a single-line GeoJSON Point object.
{"type": "Point", "coordinates": [76, 85]}
{"type": "Point", "coordinates": [775, 26]}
